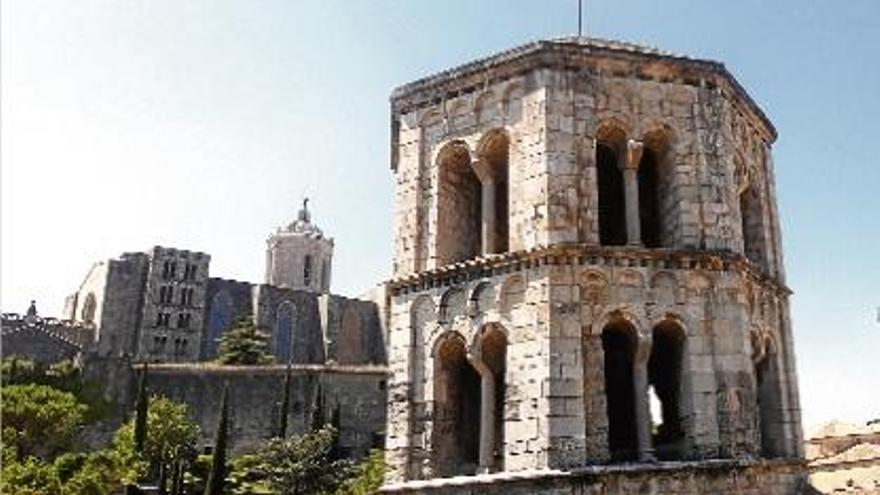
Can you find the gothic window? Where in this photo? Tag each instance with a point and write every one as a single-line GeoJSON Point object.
{"type": "Point", "coordinates": [457, 395]}
{"type": "Point", "coordinates": [459, 206]}
{"type": "Point", "coordinates": [285, 321]}
{"type": "Point", "coordinates": [350, 346]}
{"type": "Point", "coordinates": [612, 199]}
{"type": "Point", "coordinates": [325, 275]}
{"type": "Point", "coordinates": [89, 308]}
{"type": "Point", "coordinates": [219, 320]}
{"type": "Point", "coordinates": [618, 346]}
{"type": "Point", "coordinates": [183, 320]}
{"type": "Point", "coordinates": [163, 319]}
{"type": "Point", "coordinates": [664, 378]}
{"type": "Point", "coordinates": [307, 270]}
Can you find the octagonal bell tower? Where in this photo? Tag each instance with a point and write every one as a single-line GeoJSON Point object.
{"type": "Point", "coordinates": [300, 256]}
{"type": "Point", "coordinates": [587, 267]}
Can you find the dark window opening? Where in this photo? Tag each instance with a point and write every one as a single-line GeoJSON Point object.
{"type": "Point", "coordinates": [752, 221]}
{"type": "Point", "coordinates": [456, 432]}
{"type": "Point", "coordinates": [494, 354]}
{"type": "Point", "coordinates": [612, 199]}
{"type": "Point", "coordinates": [459, 197]}
{"type": "Point", "coordinates": [307, 270]}
{"type": "Point", "coordinates": [769, 406]}
{"type": "Point", "coordinates": [618, 346]}
{"type": "Point", "coordinates": [649, 200]}
{"type": "Point", "coordinates": [495, 150]}
{"type": "Point", "coordinates": [664, 376]}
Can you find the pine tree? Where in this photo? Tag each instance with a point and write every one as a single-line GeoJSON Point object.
{"type": "Point", "coordinates": [245, 344]}
{"type": "Point", "coordinates": [217, 475]}
{"type": "Point", "coordinates": [140, 421]}
{"type": "Point", "coordinates": [285, 405]}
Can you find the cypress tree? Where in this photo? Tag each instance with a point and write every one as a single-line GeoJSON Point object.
{"type": "Point", "coordinates": [217, 475]}
{"type": "Point", "coordinates": [140, 420]}
{"type": "Point", "coordinates": [285, 404]}
{"type": "Point", "coordinates": [318, 419]}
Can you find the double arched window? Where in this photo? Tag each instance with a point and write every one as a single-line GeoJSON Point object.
{"type": "Point", "coordinates": [634, 186]}
{"type": "Point", "coordinates": [473, 199]}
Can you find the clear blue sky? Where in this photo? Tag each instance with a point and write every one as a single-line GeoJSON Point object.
{"type": "Point", "coordinates": [200, 124]}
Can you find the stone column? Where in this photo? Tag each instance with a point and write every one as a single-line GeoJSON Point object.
{"type": "Point", "coordinates": [488, 222]}
{"type": "Point", "coordinates": [487, 415]}
{"type": "Point", "coordinates": [487, 191]}
{"type": "Point", "coordinates": [642, 401]}
{"type": "Point", "coordinates": [631, 190]}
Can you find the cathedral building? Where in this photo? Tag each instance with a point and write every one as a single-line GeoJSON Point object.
{"type": "Point", "coordinates": [162, 306]}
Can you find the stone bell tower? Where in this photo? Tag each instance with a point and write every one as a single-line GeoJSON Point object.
{"type": "Point", "coordinates": [299, 256]}
{"type": "Point", "coordinates": [588, 271]}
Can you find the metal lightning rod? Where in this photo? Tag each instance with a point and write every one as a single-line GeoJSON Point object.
{"type": "Point", "coordinates": [580, 18]}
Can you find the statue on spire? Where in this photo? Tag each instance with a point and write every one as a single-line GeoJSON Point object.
{"type": "Point", "coordinates": [304, 215]}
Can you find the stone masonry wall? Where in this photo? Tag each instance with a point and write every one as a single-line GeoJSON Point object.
{"type": "Point", "coordinates": [353, 333]}
{"type": "Point", "coordinates": [715, 477]}
{"type": "Point", "coordinates": [356, 392]}
{"type": "Point", "coordinates": [553, 311]}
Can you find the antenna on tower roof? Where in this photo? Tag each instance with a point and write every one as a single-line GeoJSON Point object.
{"type": "Point", "coordinates": [580, 18]}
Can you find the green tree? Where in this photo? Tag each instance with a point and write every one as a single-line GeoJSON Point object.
{"type": "Point", "coordinates": [39, 420]}
{"type": "Point", "coordinates": [285, 404]}
{"type": "Point", "coordinates": [295, 465]}
{"type": "Point", "coordinates": [217, 475]}
{"type": "Point", "coordinates": [318, 418]}
{"type": "Point", "coordinates": [171, 437]}
{"type": "Point", "coordinates": [244, 344]}
{"type": "Point", "coordinates": [368, 476]}
{"type": "Point", "coordinates": [141, 410]}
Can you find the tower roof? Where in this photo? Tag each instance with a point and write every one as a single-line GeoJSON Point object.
{"type": "Point", "coordinates": [574, 53]}
{"type": "Point", "coordinates": [303, 223]}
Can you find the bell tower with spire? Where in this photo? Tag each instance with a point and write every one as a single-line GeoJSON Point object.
{"type": "Point", "coordinates": [299, 256]}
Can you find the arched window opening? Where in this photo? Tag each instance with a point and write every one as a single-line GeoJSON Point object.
{"type": "Point", "coordinates": [285, 317]}
{"type": "Point", "coordinates": [649, 199]}
{"type": "Point", "coordinates": [751, 217]}
{"type": "Point", "coordinates": [769, 406]}
{"type": "Point", "coordinates": [219, 320]}
{"type": "Point", "coordinates": [456, 432]}
{"type": "Point", "coordinates": [612, 199]}
{"type": "Point", "coordinates": [89, 308]}
{"type": "Point", "coordinates": [307, 270]}
{"type": "Point", "coordinates": [495, 151]}
{"type": "Point", "coordinates": [664, 376]}
{"type": "Point", "coordinates": [618, 346]}
{"type": "Point", "coordinates": [658, 215]}
{"type": "Point", "coordinates": [494, 355]}
{"type": "Point", "coordinates": [459, 206]}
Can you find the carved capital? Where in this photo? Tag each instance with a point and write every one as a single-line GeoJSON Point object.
{"type": "Point", "coordinates": [483, 169]}
{"type": "Point", "coordinates": [633, 154]}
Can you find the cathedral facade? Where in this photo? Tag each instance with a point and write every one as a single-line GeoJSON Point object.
{"type": "Point", "coordinates": [162, 306]}
{"type": "Point", "coordinates": [587, 272]}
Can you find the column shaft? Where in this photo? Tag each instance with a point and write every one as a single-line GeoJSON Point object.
{"type": "Point", "coordinates": [643, 412]}
{"type": "Point", "coordinates": [631, 191]}
{"type": "Point", "coordinates": [487, 421]}
{"type": "Point", "coordinates": [488, 216]}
